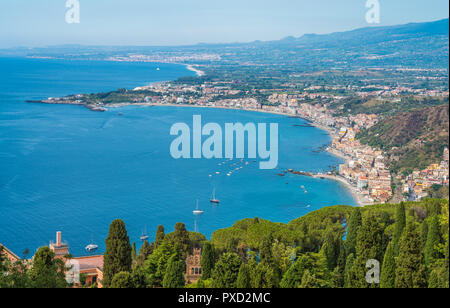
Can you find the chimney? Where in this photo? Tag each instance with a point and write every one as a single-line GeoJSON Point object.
{"type": "Point", "coordinates": [58, 238]}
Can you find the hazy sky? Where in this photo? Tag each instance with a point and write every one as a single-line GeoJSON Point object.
{"type": "Point", "coordinates": [177, 22]}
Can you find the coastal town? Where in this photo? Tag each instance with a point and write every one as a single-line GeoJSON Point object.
{"type": "Point", "coordinates": [365, 171]}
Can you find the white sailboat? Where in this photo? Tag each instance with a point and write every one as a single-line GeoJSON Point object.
{"type": "Point", "coordinates": [213, 198]}
{"type": "Point", "coordinates": [197, 211]}
{"type": "Point", "coordinates": [144, 235]}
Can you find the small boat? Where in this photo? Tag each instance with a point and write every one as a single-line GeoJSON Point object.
{"type": "Point", "coordinates": [197, 211]}
{"type": "Point", "coordinates": [213, 199]}
{"type": "Point", "coordinates": [144, 235]}
{"type": "Point", "coordinates": [91, 247]}
{"type": "Point", "coordinates": [158, 69]}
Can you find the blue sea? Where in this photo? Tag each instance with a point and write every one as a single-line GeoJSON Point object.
{"type": "Point", "coordinates": [65, 168]}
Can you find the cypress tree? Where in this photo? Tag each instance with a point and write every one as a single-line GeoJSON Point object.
{"type": "Point", "coordinates": [181, 239]}
{"type": "Point", "coordinates": [445, 267]}
{"type": "Point", "coordinates": [117, 257]}
{"type": "Point", "coordinates": [387, 279]}
{"type": "Point", "coordinates": [159, 238]}
{"type": "Point", "coordinates": [369, 245]}
{"type": "Point", "coordinates": [348, 273]}
{"type": "Point", "coordinates": [400, 223]}
{"type": "Point", "coordinates": [133, 252]}
{"type": "Point", "coordinates": [293, 277]}
{"type": "Point", "coordinates": [433, 281]}
{"type": "Point", "coordinates": [243, 279]}
{"type": "Point", "coordinates": [208, 260]}
{"type": "Point", "coordinates": [354, 224]}
{"type": "Point", "coordinates": [265, 250]}
{"type": "Point", "coordinates": [174, 274]}
{"type": "Point", "coordinates": [433, 239]}
{"type": "Point", "coordinates": [226, 271]}
{"type": "Point", "coordinates": [145, 251]}
{"type": "Point", "coordinates": [331, 248]}
{"type": "Point", "coordinates": [410, 272]}
{"type": "Point", "coordinates": [309, 281]}
{"type": "Point", "coordinates": [423, 233]}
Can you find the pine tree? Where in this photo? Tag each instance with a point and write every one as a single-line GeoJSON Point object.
{"type": "Point", "coordinates": [226, 271]}
{"type": "Point", "coordinates": [117, 257]}
{"type": "Point", "coordinates": [265, 276]}
{"type": "Point", "coordinates": [354, 224]}
{"type": "Point", "coordinates": [410, 272]}
{"type": "Point", "coordinates": [243, 279]}
{"type": "Point", "coordinates": [400, 223]}
{"type": "Point", "coordinates": [174, 274]}
{"type": "Point", "coordinates": [433, 239]}
{"type": "Point", "coordinates": [387, 279]}
{"type": "Point", "coordinates": [208, 260]}
{"type": "Point", "coordinates": [369, 246]}
{"type": "Point", "coordinates": [159, 238]}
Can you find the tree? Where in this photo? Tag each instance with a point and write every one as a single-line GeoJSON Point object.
{"type": "Point", "coordinates": [292, 278]}
{"type": "Point", "coordinates": [400, 223]}
{"type": "Point", "coordinates": [431, 254]}
{"type": "Point", "coordinates": [121, 280]}
{"type": "Point", "coordinates": [226, 271]}
{"type": "Point", "coordinates": [265, 250]}
{"type": "Point", "coordinates": [309, 281]}
{"type": "Point", "coordinates": [264, 275]}
{"type": "Point", "coordinates": [369, 246]}
{"type": "Point", "coordinates": [145, 251]}
{"type": "Point", "coordinates": [174, 273]}
{"type": "Point", "coordinates": [387, 278]}
{"type": "Point", "coordinates": [354, 224]}
{"type": "Point", "coordinates": [331, 248]}
{"type": "Point", "coordinates": [433, 281]}
{"type": "Point", "coordinates": [159, 238]}
{"type": "Point", "coordinates": [410, 272]}
{"type": "Point", "coordinates": [243, 279]}
{"type": "Point", "coordinates": [156, 265]}
{"type": "Point", "coordinates": [181, 239]}
{"type": "Point", "coordinates": [117, 257]}
{"type": "Point", "coordinates": [208, 260]}
{"type": "Point", "coordinates": [348, 273]}
{"type": "Point", "coordinates": [47, 272]}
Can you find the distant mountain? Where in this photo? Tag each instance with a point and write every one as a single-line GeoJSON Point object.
{"type": "Point", "coordinates": [412, 139]}
{"type": "Point", "coordinates": [413, 45]}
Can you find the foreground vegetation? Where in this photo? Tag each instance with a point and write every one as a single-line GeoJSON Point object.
{"type": "Point", "coordinates": [328, 248]}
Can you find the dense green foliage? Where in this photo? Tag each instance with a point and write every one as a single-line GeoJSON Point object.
{"type": "Point", "coordinates": [309, 252]}
{"type": "Point", "coordinates": [117, 257]}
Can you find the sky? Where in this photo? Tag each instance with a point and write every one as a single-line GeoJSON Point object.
{"type": "Point", "coordinates": [31, 23]}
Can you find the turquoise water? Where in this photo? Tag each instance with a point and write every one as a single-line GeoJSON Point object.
{"type": "Point", "coordinates": [70, 169]}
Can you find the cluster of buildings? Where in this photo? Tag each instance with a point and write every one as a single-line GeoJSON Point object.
{"type": "Point", "coordinates": [415, 185]}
